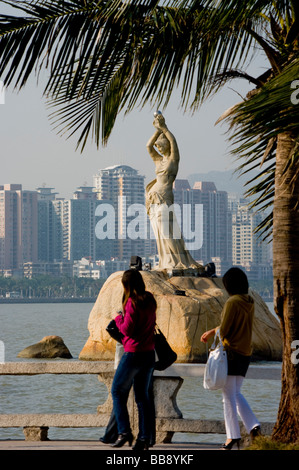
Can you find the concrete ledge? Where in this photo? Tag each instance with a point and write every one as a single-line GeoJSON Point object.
{"type": "Point", "coordinates": [262, 372]}
{"type": "Point", "coordinates": [99, 420]}
{"type": "Point", "coordinates": [195, 426]}
{"type": "Point", "coordinates": [55, 367]}
{"type": "Point", "coordinates": [54, 420]}
{"type": "Point", "coordinates": [182, 449]}
{"type": "Point", "coordinates": [203, 426]}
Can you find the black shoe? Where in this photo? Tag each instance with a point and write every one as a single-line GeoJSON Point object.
{"type": "Point", "coordinates": [140, 444]}
{"type": "Point", "coordinates": [122, 439]}
{"type": "Point", "coordinates": [106, 441]}
{"type": "Point", "coordinates": [255, 432]}
{"type": "Point", "coordinates": [231, 444]}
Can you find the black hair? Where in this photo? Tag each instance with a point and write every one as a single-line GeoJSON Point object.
{"type": "Point", "coordinates": [134, 288]}
{"type": "Point", "coordinates": [235, 281]}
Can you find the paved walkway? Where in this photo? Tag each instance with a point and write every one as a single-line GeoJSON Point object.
{"type": "Point", "coordinates": [177, 447]}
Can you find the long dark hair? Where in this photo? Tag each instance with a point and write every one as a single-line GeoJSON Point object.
{"type": "Point", "coordinates": [235, 281]}
{"type": "Point", "coordinates": [134, 288]}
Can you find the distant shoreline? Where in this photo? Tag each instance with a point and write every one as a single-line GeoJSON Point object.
{"type": "Point", "coordinates": [58, 300]}
{"type": "Point", "coordinates": [54, 300]}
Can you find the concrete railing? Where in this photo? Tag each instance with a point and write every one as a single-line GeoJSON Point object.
{"type": "Point", "coordinates": [169, 418]}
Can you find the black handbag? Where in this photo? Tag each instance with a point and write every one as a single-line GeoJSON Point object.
{"type": "Point", "coordinates": [114, 331]}
{"type": "Point", "coordinates": [166, 355]}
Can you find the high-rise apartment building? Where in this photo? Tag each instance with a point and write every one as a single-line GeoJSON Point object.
{"type": "Point", "coordinates": [78, 224]}
{"type": "Point", "coordinates": [48, 231]}
{"type": "Point", "coordinates": [122, 188]}
{"type": "Point", "coordinates": [18, 226]}
{"type": "Point", "coordinates": [29, 226]}
{"type": "Point", "coordinates": [216, 219]}
{"type": "Point", "coordinates": [217, 222]}
{"type": "Point", "coordinates": [66, 228]}
{"type": "Point", "coordinates": [249, 251]}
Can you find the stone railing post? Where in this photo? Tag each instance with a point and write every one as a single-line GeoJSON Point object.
{"type": "Point", "coordinates": [36, 433]}
{"type": "Point", "coordinates": [165, 393]}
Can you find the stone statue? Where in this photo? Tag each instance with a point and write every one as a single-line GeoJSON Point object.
{"type": "Point", "coordinates": [172, 251]}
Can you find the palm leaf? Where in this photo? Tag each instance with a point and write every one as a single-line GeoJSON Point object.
{"type": "Point", "coordinates": [108, 56]}
{"type": "Point", "coordinates": [154, 53]}
{"type": "Point", "coordinates": [255, 125]}
{"type": "Point", "coordinates": [151, 48]}
{"type": "Point", "coordinates": [49, 28]}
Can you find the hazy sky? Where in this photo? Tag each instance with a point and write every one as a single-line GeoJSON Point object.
{"type": "Point", "coordinates": [32, 153]}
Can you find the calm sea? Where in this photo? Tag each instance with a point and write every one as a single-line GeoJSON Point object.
{"type": "Point", "coordinates": [24, 324]}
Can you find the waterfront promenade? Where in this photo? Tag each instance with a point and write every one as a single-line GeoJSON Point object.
{"type": "Point", "coordinates": [177, 447]}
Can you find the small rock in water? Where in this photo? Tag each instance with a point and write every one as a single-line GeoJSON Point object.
{"type": "Point", "coordinates": [49, 347]}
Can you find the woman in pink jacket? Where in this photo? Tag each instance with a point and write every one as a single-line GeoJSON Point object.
{"type": "Point", "coordinates": [137, 324]}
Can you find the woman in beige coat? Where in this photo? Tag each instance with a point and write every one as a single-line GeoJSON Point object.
{"type": "Point", "coordinates": [236, 332]}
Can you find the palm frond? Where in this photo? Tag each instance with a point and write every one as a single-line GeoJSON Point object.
{"type": "Point", "coordinates": [151, 47]}
{"type": "Point", "coordinates": [255, 126]}
{"type": "Point", "coordinates": [157, 50]}
{"type": "Point", "coordinates": [49, 29]}
{"type": "Point", "coordinates": [114, 55]}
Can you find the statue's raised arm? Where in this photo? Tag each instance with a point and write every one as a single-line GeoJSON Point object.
{"type": "Point", "coordinates": [151, 149]}
{"type": "Point", "coordinates": [163, 140]}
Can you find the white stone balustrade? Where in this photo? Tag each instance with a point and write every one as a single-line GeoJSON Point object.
{"type": "Point", "coordinates": [169, 418]}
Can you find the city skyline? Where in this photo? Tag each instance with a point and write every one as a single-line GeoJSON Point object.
{"type": "Point", "coordinates": [66, 229]}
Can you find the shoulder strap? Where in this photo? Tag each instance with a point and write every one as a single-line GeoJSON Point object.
{"type": "Point", "coordinates": [217, 337]}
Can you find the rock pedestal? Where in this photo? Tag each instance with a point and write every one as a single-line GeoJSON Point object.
{"type": "Point", "coordinates": [187, 306]}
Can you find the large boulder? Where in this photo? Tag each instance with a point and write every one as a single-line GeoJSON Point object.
{"type": "Point", "coordinates": [182, 318]}
{"type": "Point", "coordinates": [49, 347]}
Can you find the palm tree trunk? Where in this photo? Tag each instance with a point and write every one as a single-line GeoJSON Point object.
{"type": "Point", "coordinates": [286, 283]}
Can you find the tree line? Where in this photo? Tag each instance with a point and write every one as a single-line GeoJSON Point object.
{"type": "Point", "coordinates": [53, 287]}
{"type": "Point", "coordinates": [67, 287]}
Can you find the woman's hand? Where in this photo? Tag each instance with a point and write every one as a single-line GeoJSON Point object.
{"type": "Point", "coordinates": [159, 122]}
{"type": "Point", "coordinates": [207, 335]}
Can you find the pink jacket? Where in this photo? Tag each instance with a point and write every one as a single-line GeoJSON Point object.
{"type": "Point", "coordinates": [138, 328]}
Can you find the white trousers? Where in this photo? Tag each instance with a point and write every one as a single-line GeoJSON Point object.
{"type": "Point", "coordinates": [235, 404]}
